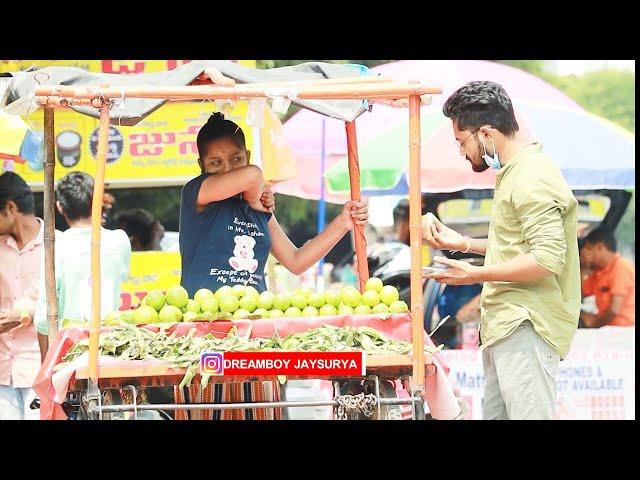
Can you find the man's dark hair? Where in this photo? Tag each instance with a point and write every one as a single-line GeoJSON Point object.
{"type": "Point", "coordinates": [75, 194]}
{"type": "Point", "coordinates": [14, 188]}
{"type": "Point", "coordinates": [401, 212]}
{"type": "Point", "coordinates": [604, 236]}
{"type": "Point", "coordinates": [138, 223]}
{"type": "Point", "coordinates": [481, 103]}
{"type": "Point", "coordinates": [218, 127]}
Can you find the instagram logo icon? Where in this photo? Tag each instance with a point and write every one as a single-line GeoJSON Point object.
{"type": "Point", "coordinates": [212, 363]}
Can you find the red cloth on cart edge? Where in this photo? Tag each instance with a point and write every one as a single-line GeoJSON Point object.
{"type": "Point", "coordinates": [396, 326]}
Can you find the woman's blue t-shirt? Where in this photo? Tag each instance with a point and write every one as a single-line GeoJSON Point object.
{"type": "Point", "coordinates": [227, 243]}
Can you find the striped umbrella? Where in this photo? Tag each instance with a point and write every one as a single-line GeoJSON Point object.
{"type": "Point", "coordinates": [19, 144]}
{"type": "Point", "coordinates": [591, 151]}
{"type": "Point", "coordinates": [581, 144]}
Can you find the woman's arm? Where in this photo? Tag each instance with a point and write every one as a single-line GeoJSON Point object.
{"type": "Point", "coordinates": [298, 260]}
{"type": "Point", "coordinates": [246, 180]}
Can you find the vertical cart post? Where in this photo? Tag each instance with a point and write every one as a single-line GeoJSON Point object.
{"type": "Point", "coordinates": [354, 180]}
{"type": "Point", "coordinates": [96, 224]}
{"type": "Point", "coordinates": [415, 232]}
{"type": "Point", "coordinates": [50, 224]}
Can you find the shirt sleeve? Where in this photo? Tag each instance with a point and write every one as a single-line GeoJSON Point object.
{"type": "Point", "coordinates": [190, 191]}
{"type": "Point", "coordinates": [540, 208]}
{"type": "Point", "coordinates": [126, 255]}
{"type": "Point", "coordinates": [588, 287]}
{"type": "Point", "coordinates": [622, 283]}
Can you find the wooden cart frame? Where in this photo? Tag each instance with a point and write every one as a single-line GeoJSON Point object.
{"type": "Point", "coordinates": [373, 89]}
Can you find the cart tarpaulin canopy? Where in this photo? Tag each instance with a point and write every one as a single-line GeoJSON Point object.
{"type": "Point", "coordinates": [19, 98]}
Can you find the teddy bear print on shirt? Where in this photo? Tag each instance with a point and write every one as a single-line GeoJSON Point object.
{"type": "Point", "coordinates": [243, 251]}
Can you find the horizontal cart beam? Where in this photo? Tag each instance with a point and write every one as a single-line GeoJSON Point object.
{"type": "Point", "coordinates": [246, 405]}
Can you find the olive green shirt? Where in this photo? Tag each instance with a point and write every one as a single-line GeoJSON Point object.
{"type": "Point", "coordinates": [534, 211]}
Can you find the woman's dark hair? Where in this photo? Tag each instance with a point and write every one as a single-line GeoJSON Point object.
{"type": "Point", "coordinates": [482, 103]}
{"type": "Point", "coordinates": [138, 223]}
{"type": "Point", "coordinates": [216, 128]}
{"type": "Point", "coordinates": [75, 194]}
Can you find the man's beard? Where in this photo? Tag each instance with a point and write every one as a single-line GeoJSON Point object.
{"type": "Point", "coordinates": [478, 167]}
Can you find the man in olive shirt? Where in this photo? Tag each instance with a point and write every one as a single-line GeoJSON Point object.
{"type": "Point", "coordinates": [531, 274]}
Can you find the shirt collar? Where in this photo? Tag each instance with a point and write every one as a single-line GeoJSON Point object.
{"type": "Point", "coordinates": [532, 147]}
{"type": "Point", "coordinates": [610, 265]}
{"type": "Point", "coordinates": [39, 240]}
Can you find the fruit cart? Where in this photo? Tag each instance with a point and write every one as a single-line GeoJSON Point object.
{"type": "Point", "coordinates": [92, 380]}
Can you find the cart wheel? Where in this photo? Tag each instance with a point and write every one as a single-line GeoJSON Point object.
{"type": "Point", "coordinates": [112, 397]}
{"type": "Point", "coordinates": [387, 390]}
{"type": "Point", "coordinates": [353, 387]}
{"type": "Point", "coordinates": [71, 406]}
{"type": "Point", "coordinates": [80, 413]}
{"type": "Point", "coordinates": [419, 409]}
{"type": "Point", "coordinates": [87, 406]}
{"type": "Point", "coordinates": [109, 397]}
{"type": "Point", "coordinates": [126, 396]}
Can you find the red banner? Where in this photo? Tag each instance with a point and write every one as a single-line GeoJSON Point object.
{"type": "Point", "coordinates": [314, 364]}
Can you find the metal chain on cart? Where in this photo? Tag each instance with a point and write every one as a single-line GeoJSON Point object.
{"type": "Point", "coordinates": [354, 405]}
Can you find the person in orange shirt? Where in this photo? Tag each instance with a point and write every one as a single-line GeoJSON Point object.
{"type": "Point", "coordinates": [612, 282]}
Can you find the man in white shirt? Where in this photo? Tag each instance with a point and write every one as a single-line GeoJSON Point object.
{"type": "Point", "coordinates": [73, 259]}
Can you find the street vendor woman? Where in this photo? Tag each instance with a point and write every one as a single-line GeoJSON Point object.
{"type": "Point", "coordinates": [227, 232]}
{"type": "Point", "coordinates": [227, 229]}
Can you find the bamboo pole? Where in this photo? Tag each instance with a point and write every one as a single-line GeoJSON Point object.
{"type": "Point", "coordinates": [401, 102]}
{"type": "Point", "coordinates": [415, 232]}
{"type": "Point", "coordinates": [61, 102]}
{"type": "Point", "coordinates": [50, 224]}
{"type": "Point", "coordinates": [349, 91]}
{"type": "Point", "coordinates": [325, 81]}
{"type": "Point", "coordinates": [96, 224]}
{"type": "Point", "coordinates": [354, 180]}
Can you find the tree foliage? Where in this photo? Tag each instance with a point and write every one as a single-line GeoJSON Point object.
{"type": "Point", "coordinates": [610, 94]}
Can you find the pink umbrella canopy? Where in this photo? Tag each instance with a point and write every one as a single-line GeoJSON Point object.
{"type": "Point", "coordinates": [303, 130]}
{"type": "Point", "coordinates": [577, 141]}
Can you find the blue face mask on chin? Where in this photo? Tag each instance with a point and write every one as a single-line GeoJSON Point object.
{"type": "Point", "coordinates": [493, 162]}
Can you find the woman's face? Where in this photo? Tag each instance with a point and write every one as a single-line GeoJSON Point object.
{"type": "Point", "coordinates": [223, 155]}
